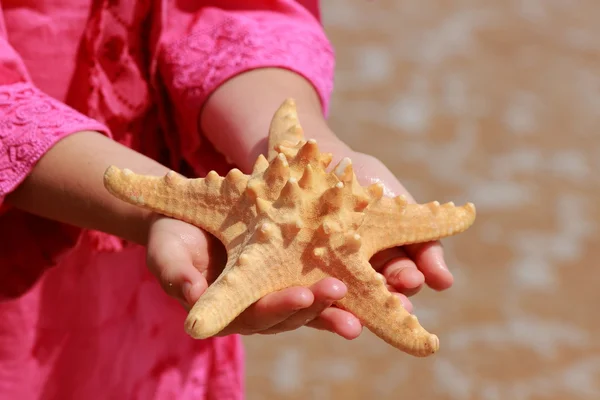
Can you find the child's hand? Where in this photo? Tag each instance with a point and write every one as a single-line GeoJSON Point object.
{"type": "Point", "coordinates": [244, 107]}
{"type": "Point", "coordinates": [406, 269]}
{"type": "Point", "coordinates": [185, 260]}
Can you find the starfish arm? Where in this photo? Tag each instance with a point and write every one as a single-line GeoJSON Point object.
{"type": "Point", "coordinates": [245, 280]}
{"type": "Point", "coordinates": [393, 222]}
{"type": "Point", "coordinates": [381, 311]}
{"type": "Point", "coordinates": [286, 136]}
{"type": "Point", "coordinates": [285, 128]}
{"type": "Point", "coordinates": [221, 303]}
{"type": "Point", "coordinates": [292, 223]}
{"type": "Point", "coordinates": [203, 202]}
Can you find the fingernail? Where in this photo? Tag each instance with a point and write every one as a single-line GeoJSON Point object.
{"type": "Point", "coordinates": [439, 257]}
{"type": "Point", "coordinates": [186, 288]}
{"type": "Point", "coordinates": [301, 304]}
{"type": "Point", "coordinates": [405, 303]}
{"type": "Point", "coordinates": [442, 265]}
{"type": "Point", "coordinates": [299, 307]}
{"type": "Point", "coordinates": [339, 287]}
{"type": "Point", "coordinates": [439, 260]}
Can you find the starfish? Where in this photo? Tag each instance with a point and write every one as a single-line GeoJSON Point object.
{"type": "Point", "coordinates": [290, 222]}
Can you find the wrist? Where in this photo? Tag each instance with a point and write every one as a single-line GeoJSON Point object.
{"type": "Point", "coordinates": [141, 226]}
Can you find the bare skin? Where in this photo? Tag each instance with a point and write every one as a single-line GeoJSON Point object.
{"type": "Point", "coordinates": [184, 258]}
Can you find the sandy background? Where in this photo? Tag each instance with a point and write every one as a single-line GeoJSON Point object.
{"type": "Point", "coordinates": [495, 102]}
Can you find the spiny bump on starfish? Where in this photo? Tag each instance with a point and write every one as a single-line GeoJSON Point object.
{"type": "Point", "coordinates": [291, 222]}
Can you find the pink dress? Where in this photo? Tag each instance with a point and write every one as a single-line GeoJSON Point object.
{"type": "Point", "coordinates": [80, 315]}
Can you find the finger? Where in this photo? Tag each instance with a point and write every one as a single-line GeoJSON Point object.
{"type": "Point", "coordinates": [402, 274]}
{"type": "Point", "coordinates": [270, 310]}
{"type": "Point", "coordinates": [173, 267]}
{"type": "Point", "coordinates": [325, 292]}
{"type": "Point", "coordinates": [399, 270]}
{"type": "Point", "coordinates": [193, 291]}
{"type": "Point", "coordinates": [429, 258]}
{"type": "Point", "coordinates": [338, 321]}
{"type": "Point", "coordinates": [380, 259]}
{"type": "Point", "coordinates": [406, 303]}
{"type": "Point", "coordinates": [344, 323]}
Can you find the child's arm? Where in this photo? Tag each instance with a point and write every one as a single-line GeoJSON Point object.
{"type": "Point", "coordinates": [52, 158]}
{"type": "Point", "coordinates": [244, 106]}
{"type": "Point", "coordinates": [66, 185]}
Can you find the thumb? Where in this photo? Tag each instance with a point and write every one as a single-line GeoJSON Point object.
{"type": "Point", "coordinates": [369, 169]}
{"type": "Point", "coordinates": [172, 264]}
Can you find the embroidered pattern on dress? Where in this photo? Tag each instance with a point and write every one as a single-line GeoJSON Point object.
{"type": "Point", "coordinates": [204, 59]}
{"type": "Point", "coordinates": [30, 122]}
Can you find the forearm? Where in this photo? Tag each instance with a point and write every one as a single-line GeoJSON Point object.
{"type": "Point", "coordinates": [241, 110]}
{"type": "Point", "coordinates": [236, 117]}
{"type": "Point", "coordinates": [66, 185]}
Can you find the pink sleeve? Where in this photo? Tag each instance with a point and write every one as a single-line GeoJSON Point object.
{"type": "Point", "coordinates": [31, 122]}
{"type": "Point", "coordinates": [204, 46]}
